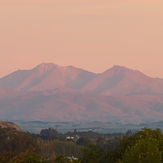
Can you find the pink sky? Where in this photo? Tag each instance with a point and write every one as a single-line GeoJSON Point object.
{"type": "Point", "coordinates": [90, 34]}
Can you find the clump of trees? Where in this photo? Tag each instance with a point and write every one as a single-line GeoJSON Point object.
{"type": "Point", "coordinates": [17, 146]}
{"type": "Point", "coordinates": [15, 141]}
{"type": "Point", "coordinates": [145, 146]}
{"type": "Point", "coordinates": [49, 134]}
{"type": "Point", "coordinates": [84, 141]}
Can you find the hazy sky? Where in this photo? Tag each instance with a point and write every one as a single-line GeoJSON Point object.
{"type": "Point", "coordinates": [90, 34]}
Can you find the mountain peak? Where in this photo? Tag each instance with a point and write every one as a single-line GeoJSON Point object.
{"type": "Point", "coordinates": [117, 68]}
{"type": "Point", "coordinates": [120, 67]}
{"type": "Point", "coordinates": [47, 66]}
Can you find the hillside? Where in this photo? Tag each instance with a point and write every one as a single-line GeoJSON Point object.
{"type": "Point", "coordinates": [67, 106]}
{"type": "Point", "coordinates": [5, 124]}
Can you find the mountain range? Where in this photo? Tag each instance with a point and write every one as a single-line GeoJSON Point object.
{"type": "Point", "coordinates": [50, 92]}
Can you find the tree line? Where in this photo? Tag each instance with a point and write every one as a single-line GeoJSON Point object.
{"type": "Point", "coordinates": [145, 146]}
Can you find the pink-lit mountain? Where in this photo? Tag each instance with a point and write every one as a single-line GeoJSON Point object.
{"type": "Point", "coordinates": [46, 76]}
{"type": "Point", "coordinates": [50, 92]}
{"type": "Point", "coordinates": [117, 81]}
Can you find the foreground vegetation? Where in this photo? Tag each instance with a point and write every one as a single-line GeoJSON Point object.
{"type": "Point", "coordinates": [145, 146]}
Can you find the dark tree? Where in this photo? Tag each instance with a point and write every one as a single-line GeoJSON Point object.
{"type": "Point", "coordinates": [84, 141]}
{"type": "Point", "coordinates": [50, 133]}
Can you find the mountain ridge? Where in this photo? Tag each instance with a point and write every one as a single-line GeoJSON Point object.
{"type": "Point", "coordinates": [117, 81]}
{"type": "Point", "coordinates": [50, 92]}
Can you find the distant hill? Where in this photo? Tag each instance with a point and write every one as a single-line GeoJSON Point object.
{"type": "Point", "coordinates": [50, 92]}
